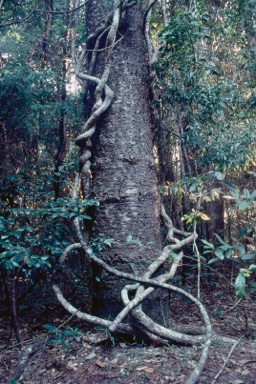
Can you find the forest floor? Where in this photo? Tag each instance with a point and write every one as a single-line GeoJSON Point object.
{"type": "Point", "coordinates": [93, 359]}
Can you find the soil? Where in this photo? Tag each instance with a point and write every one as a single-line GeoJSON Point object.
{"type": "Point", "coordinates": [94, 359]}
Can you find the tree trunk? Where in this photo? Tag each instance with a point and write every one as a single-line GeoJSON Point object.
{"type": "Point", "coordinates": [124, 177]}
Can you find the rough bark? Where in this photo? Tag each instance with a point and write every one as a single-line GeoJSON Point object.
{"type": "Point", "coordinates": [123, 169]}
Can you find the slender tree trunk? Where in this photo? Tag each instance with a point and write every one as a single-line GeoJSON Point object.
{"type": "Point", "coordinates": [62, 147]}
{"type": "Point", "coordinates": [124, 178]}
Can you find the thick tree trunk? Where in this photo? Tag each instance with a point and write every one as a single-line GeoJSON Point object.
{"type": "Point", "coordinates": [124, 178]}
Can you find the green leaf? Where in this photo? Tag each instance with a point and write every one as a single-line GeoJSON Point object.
{"type": "Point", "coordinates": [219, 254]}
{"type": "Point", "coordinates": [210, 245]}
{"type": "Point", "coordinates": [51, 328]}
{"type": "Point", "coordinates": [228, 253]}
{"type": "Point", "coordinates": [219, 175]}
{"type": "Point", "coordinates": [134, 241]}
{"type": "Point", "coordinates": [193, 187]}
{"type": "Point", "coordinates": [242, 232]}
{"type": "Point", "coordinates": [213, 260]}
{"type": "Point", "coordinates": [243, 205]}
{"type": "Point", "coordinates": [15, 264]}
{"type": "Point", "coordinates": [172, 256]}
{"type": "Point", "coordinates": [220, 239]}
{"type": "Point", "coordinates": [129, 238]}
{"type": "Point", "coordinates": [253, 195]}
{"type": "Point", "coordinates": [240, 285]}
{"type": "Point", "coordinates": [240, 248]}
{"type": "Point", "coordinates": [248, 256]}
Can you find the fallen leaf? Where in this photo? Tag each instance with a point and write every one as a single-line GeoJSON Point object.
{"type": "Point", "coordinates": [114, 361]}
{"type": "Point", "coordinates": [145, 369]}
{"type": "Point", "coordinates": [149, 370]}
{"type": "Point", "coordinates": [100, 364]}
{"type": "Point", "coordinates": [90, 356]}
{"type": "Point", "coordinates": [245, 372]}
{"type": "Point", "coordinates": [72, 365]}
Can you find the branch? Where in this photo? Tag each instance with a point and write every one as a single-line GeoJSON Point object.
{"type": "Point", "coordinates": [25, 20]}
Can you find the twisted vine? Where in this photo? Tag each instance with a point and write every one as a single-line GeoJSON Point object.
{"type": "Point", "coordinates": [145, 284]}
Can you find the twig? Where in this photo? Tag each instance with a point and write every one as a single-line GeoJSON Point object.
{"type": "Point", "coordinates": [225, 363]}
{"type": "Point", "coordinates": [234, 306]}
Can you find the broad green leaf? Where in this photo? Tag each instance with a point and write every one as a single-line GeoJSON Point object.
{"type": "Point", "coordinates": [243, 205]}
{"type": "Point", "coordinates": [219, 176]}
{"type": "Point", "coordinates": [246, 194]}
{"type": "Point", "coordinates": [242, 232]}
{"type": "Point", "coordinates": [193, 187]}
{"type": "Point", "coordinates": [240, 248]}
{"type": "Point", "coordinates": [228, 253]}
{"type": "Point", "coordinates": [15, 264]}
{"type": "Point", "coordinates": [253, 195]}
{"type": "Point", "coordinates": [219, 254]}
{"type": "Point", "coordinates": [240, 285]}
{"type": "Point", "coordinates": [248, 256]}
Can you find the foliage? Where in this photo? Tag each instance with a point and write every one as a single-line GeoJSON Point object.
{"type": "Point", "coordinates": [244, 201]}
{"type": "Point", "coordinates": [38, 245]}
{"type": "Point", "coordinates": [205, 102]}
{"type": "Point", "coordinates": [64, 336]}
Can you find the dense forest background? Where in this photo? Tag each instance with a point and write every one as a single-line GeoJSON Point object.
{"type": "Point", "coordinates": [201, 58]}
